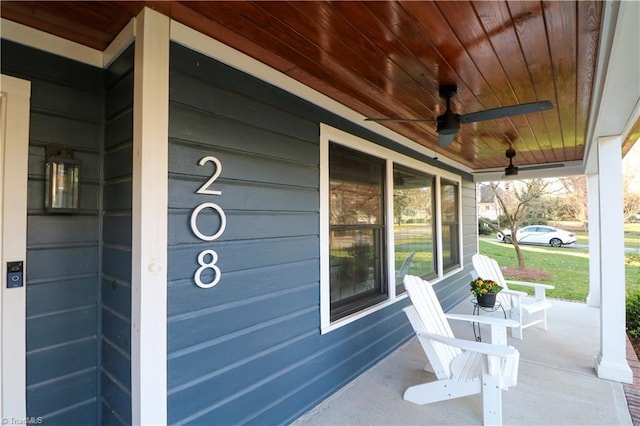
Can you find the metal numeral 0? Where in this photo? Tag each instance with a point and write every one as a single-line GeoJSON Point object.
{"type": "Point", "coordinates": [194, 221]}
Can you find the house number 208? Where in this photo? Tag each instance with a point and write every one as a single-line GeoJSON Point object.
{"type": "Point", "coordinates": [207, 259]}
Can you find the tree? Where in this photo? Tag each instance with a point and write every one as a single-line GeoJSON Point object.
{"type": "Point", "coordinates": [575, 201]}
{"type": "Point", "coordinates": [631, 206]}
{"type": "Point", "coordinates": [515, 199]}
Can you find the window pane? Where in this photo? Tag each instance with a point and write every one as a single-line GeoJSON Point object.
{"type": "Point", "coordinates": [355, 268]}
{"type": "Point", "coordinates": [413, 224]}
{"type": "Point", "coordinates": [356, 239]}
{"type": "Point", "coordinates": [450, 237]}
{"type": "Point", "coordinates": [355, 187]}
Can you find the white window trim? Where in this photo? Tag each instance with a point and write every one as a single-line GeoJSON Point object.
{"type": "Point", "coordinates": [331, 134]}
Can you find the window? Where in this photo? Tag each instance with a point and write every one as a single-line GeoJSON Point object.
{"type": "Point", "coordinates": [380, 213]}
{"type": "Point", "coordinates": [413, 224]}
{"type": "Point", "coordinates": [356, 233]}
{"type": "Point", "coordinates": [450, 225]}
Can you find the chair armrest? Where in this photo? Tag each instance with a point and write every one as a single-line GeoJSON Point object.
{"type": "Point", "coordinates": [484, 320]}
{"type": "Point", "coordinates": [469, 345]}
{"type": "Point", "coordinates": [533, 285]}
{"type": "Point", "coordinates": [515, 292]}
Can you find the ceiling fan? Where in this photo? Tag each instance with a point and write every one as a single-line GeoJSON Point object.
{"type": "Point", "coordinates": [448, 124]}
{"type": "Point", "coordinates": [512, 170]}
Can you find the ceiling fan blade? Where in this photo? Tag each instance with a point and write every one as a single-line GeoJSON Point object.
{"type": "Point", "coordinates": [445, 140]}
{"type": "Point", "coordinates": [401, 120]}
{"type": "Point", "coordinates": [492, 114]}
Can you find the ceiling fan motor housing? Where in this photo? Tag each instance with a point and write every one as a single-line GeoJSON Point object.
{"type": "Point", "coordinates": [511, 170]}
{"type": "Point", "coordinates": [448, 123]}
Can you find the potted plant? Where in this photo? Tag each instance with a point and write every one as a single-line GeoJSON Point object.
{"type": "Point", "coordinates": [485, 291]}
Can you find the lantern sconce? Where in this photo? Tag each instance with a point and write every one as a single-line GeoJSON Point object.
{"type": "Point", "coordinates": [62, 180]}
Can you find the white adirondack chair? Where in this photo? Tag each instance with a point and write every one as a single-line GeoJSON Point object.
{"type": "Point", "coordinates": [462, 367]}
{"type": "Point", "coordinates": [527, 310]}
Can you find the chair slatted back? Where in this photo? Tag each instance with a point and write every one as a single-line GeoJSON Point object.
{"type": "Point", "coordinates": [488, 268]}
{"type": "Point", "coordinates": [430, 311]}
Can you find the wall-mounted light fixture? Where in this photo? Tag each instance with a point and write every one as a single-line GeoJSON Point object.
{"type": "Point", "coordinates": [62, 180]}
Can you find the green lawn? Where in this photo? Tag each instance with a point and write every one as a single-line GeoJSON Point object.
{"type": "Point", "coordinates": [569, 267]}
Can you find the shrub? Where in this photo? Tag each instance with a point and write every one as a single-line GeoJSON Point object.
{"type": "Point", "coordinates": [633, 315]}
{"type": "Point", "coordinates": [484, 228]}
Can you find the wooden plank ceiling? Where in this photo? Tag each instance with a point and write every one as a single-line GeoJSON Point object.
{"type": "Point", "coordinates": [388, 59]}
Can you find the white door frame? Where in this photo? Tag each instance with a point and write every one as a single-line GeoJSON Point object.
{"type": "Point", "coordinates": [14, 156]}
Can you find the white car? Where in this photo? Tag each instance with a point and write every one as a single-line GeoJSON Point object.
{"type": "Point", "coordinates": [539, 234]}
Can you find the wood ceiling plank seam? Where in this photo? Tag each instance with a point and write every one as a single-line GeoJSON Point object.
{"type": "Point", "coordinates": [379, 34]}
{"type": "Point", "coordinates": [560, 140]}
{"type": "Point", "coordinates": [497, 122]}
{"type": "Point", "coordinates": [498, 25]}
{"type": "Point", "coordinates": [399, 127]}
{"type": "Point", "coordinates": [413, 57]}
{"type": "Point", "coordinates": [242, 18]}
{"type": "Point", "coordinates": [345, 99]}
{"type": "Point", "coordinates": [537, 122]}
{"type": "Point", "coordinates": [382, 40]}
{"type": "Point", "coordinates": [428, 20]}
{"type": "Point", "coordinates": [420, 18]}
{"type": "Point", "coordinates": [537, 57]}
{"type": "Point", "coordinates": [183, 13]}
{"type": "Point", "coordinates": [438, 103]}
{"type": "Point", "coordinates": [376, 9]}
{"type": "Point", "coordinates": [473, 37]}
{"type": "Point", "coordinates": [480, 145]}
{"type": "Point", "coordinates": [469, 31]}
{"type": "Point", "coordinates": [43, 21]}
{"type": "Point", "coordinates": [395, 126]}
{"type": "Point", "coordinates": [562, 29]}
{"type": "Point", "coordinates": [361, 64]}
{"type": "Point", "coordinates": [589, 21]}
{"type": "Point", "coordinates": [316, 61]}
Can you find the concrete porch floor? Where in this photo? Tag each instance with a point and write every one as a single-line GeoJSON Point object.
{"type": "Point", "coordinates": [557, 384]}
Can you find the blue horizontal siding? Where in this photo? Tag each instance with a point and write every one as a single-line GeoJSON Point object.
{"type": "Point", "coordinates": [116, 399]}
{"type": "Point", "coordinates": [196, 128]}
{"type": "Point", "coordinates": [258, 224]}
{"type": "Point", "coordinates": [56, 295]}
{"type": "Point", "coordinates": [249, 349]}
{"type": "Point", "coordinates": [220, 321]}
{"type": "Point", "coordinates": [61, 327]}
{"type": "Point", "coordinates": [115, 283]}
{"type": "Point", "coordinates": [54, 362]}
{"type": "Point", "coordinates": [62, 261]}
{"type": "Point", "coordinates": [76, 393]}
{"type": "Point", "coordinates": [241, 285]}
{"type": "Point", "coordinates": [62, 250]}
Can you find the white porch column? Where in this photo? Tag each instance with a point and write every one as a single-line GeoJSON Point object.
{"type": "Point", "coordinates": [149, 221]}
{"type": "Point", "coordinates": [612, 362]}
{"type": "Point", "coordinates": [593, 299]}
